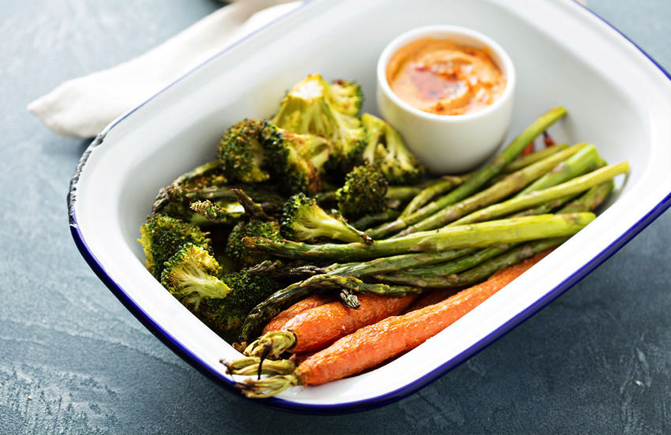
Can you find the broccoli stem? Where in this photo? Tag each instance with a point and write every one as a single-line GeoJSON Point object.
{"type": "Point", "coordinates": [478, 235]}
{"type": "Point", "coordinates": [478, 179]}
{"type": "Point", "coordinates": [326, 196]}
{"type": "Point", "coordinates": [534, 199]}
{"type": "Point", "coordinates": [338, 228]}
{"type": "Point", "coordinates": [504, 188]}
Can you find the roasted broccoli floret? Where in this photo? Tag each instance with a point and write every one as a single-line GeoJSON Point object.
{"type": "Point", "coordinates": [254, 151]}
{"type": "Point", "coordinates": [317, 107]}
{"type": "Point", "coordinates": [194, 277]}
{"type": "Point", "coordinates": [162, 236]}
{"type": "Point", "coordinates": [191, 275]}
{"type": "Point", "coordinates": [242, 154]}
{"type": "Point", "coordinates": [364, 192]}
{"type": "Point", "coordinates": [346, 96]}
{"type": "Point", "coordinates": [227, 315]}
{"type": "Point", "coordinates": [236, 249]}
{"type": "Point", "coordinates": [304, 220]}
{"type": "Point", "coordinates": [296, 160]}
{"type": "Point", "coordinates": [386, 150]}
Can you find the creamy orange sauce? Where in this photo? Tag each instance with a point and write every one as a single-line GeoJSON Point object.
{"type": "Point", "coordinates": [441, 77]}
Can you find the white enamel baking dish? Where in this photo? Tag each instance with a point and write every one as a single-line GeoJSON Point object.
{"type": "Point", "coordinates": [617, 98]}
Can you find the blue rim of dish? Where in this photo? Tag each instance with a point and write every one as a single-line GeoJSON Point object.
{"type": "Point", "coordinates": [364, 404]}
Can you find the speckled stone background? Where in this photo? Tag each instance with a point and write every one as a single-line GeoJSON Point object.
{"type": "Point", "coordinates": [74, 361]}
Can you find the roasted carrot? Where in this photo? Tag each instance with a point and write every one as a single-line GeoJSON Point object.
{"type": "Point", "coordinates": [311, 301]}
{"type": "Point", "coordinates": [374, 344]}
{"type": "Point", "coordinates": [315, 328]}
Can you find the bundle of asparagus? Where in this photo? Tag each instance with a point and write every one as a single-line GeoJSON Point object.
{"type": "Point", "coordinates": [511, 209]}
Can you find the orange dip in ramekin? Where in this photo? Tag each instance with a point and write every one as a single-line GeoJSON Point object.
{"type": "Point", "coordinates": [441, 77]}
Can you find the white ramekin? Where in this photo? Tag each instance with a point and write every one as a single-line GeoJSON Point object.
{"type": "Point", "coordinates": [448, 143]}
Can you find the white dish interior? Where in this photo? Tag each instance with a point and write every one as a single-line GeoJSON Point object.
{"type": "Point", "coordinates": [563, 55]}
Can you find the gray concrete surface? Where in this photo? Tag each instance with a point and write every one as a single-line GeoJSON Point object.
{"type": "Point", "coordinates": [74, 361]}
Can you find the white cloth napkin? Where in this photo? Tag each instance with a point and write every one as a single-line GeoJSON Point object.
{"type": "Point", "coordinates": [82, 107]}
